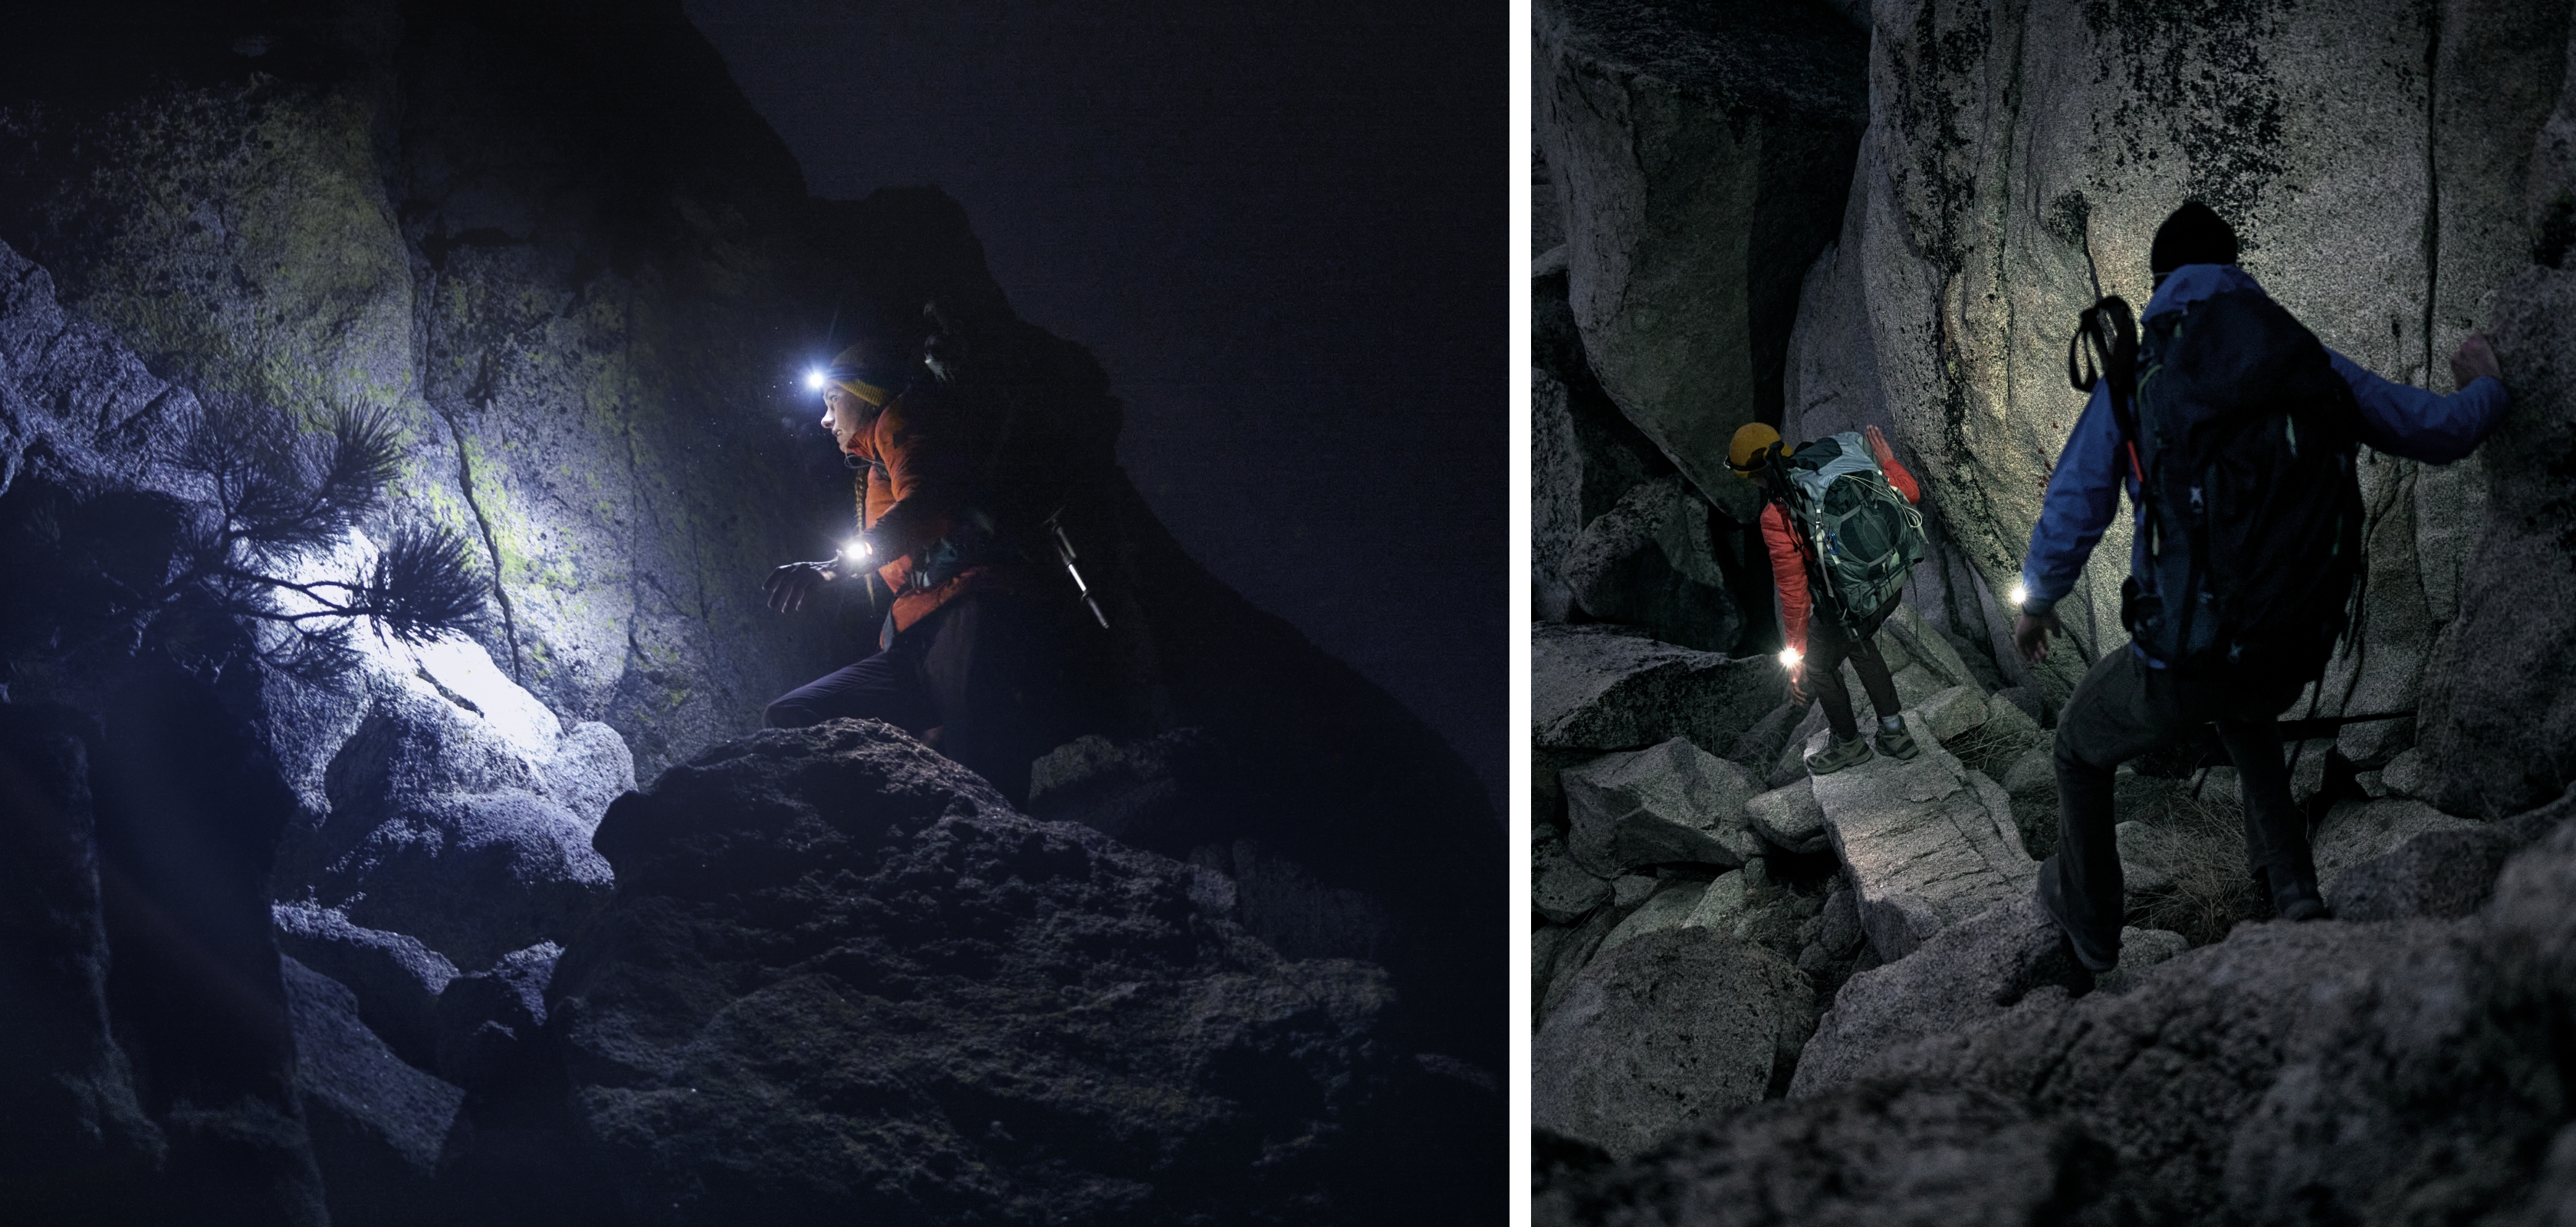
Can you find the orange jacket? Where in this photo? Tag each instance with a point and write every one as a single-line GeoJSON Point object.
{"type": "Point", "coordinates": [1789, 556]}
{"type": "Point", "coordinates": [923, 460]}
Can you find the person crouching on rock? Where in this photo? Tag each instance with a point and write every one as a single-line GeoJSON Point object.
{"type": "Point", "coordinates": [971, 658]}
{"type": "Point", "coordinates": [1817, 647]}
{"type": "Point", "coordinates": [2235, 435]}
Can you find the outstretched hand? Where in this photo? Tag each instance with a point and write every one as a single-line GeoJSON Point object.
{"type": "Point", "coordinates": [2474, 359]}
{"type": "Point", "coordinates": [1878, 446]}
{"type": "Point", "coordinates": [790, 586]}
{"type": "Point", "coordinates": [2030, 634]}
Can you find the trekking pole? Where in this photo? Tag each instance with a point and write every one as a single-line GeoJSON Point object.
{"type": "Point", "coordinates": [1064, 553]}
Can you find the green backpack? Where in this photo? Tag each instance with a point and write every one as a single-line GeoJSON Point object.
{"type": "Point", "coordinates": [1861, 535]}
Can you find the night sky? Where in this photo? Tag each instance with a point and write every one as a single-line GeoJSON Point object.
{"type": "Point", "coordinates": [1282, 227]}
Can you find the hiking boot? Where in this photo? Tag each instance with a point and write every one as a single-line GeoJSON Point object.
{"type": "Point", "coordinates": [1897, 744]}
{"type": "Point", "coordinates": [2295, 896]}
{"type": "Point", "coordinates": [1838, 755]}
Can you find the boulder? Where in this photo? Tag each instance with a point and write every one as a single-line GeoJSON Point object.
{"type": "Point", "coordinates": [1671, 803]}
{"type": "Point", "coordinates": [1668, 1031]}
{"type": "Point", "coordinates": [1689, 149]}
{"type": "Point", "coordinates": [2359, 831]}
{"type": "Point", "coordinates": [1953, 711]}
{"type": "Point", "coordinates": [393, 977]}
{"type": "Point", "coordinates": [1875, 1153]}
{"type": "Point", "coordinates": [1969, 971]}
{"type": "Point", "coordinates": [1668, 908]}
{"type": "Point", "coordinates": [2304, 1070]}
{"type": "Point", "coordinates": [76, 1137]}
{"type": "Point", "coordinates": [1648, 562]}
{"type": "Point", "coordinates": [1926, 646]}
{"type": "Point", "coordinates": [1574, 953]}
{"type": "Point", "coordinates": [1565, 891]}
{"type": "Point", "coordinates": [587, 769]}
{"type": "Point", "coordinates": [1608, 688]}
{"type": "Point", "coordinates": [2439, 874]}
{"type": "Point", "coordinates": [840, 971]}
{"type": "Point", "coordinates": [1790, 817]}
{"type": "Point", "coordinates": [1556, 497]}
{"type": "Point", "coordinates": [473, 877]}
{"type": "Point", "coordinates": [379, 1126]}
{"type": "Point", "coordinates": [489, 1021]}
{"type": "Point", "coordinates": [2150, 857]}
{"type": "Point", "coordinates": [1927, 843]}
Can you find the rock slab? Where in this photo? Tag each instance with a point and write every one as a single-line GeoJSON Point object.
{"type": "Point", "coordinates": [1927, 842]}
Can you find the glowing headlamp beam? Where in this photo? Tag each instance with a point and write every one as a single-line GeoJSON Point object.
{"type": "Point", "coordinates": [855, 550]}
{"type": "Point", "coordinates": [813, 381]}
{"type": "Point", "coordinates": [2019, 595]}
{"type": "Point", "coordinates": [1789, 658]}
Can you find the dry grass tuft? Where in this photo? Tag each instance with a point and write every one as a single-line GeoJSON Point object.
{"type": "Point", "coordinates": [2213, 886]}
{"type": "Point", "coordinates": [1987, 748]}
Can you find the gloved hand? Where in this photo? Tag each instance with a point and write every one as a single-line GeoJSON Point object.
{"type": "Point", "coordinates": [790, 586]}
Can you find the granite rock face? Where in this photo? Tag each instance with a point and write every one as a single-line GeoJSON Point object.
{"type": "Point", "coordinates": [2496, 714]}
{"type": "Point", "coordinates": [2006, 174]}
{"type": "Point", "coordinates": [1648, 562]}
{"type": "Point", "coordinates": [842, 976]}
{"type": "Point", "coordinates": [1688, 148]}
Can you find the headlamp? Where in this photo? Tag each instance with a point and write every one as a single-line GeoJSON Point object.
{"type": "Point", "coordinates": [2019, 595]}
{"type": "Point", "coordinates": [856, 550]}
{"type": "Point", "coordinates": [1789, 658]}
{"type": "Point", "coordinates": [814, 380]}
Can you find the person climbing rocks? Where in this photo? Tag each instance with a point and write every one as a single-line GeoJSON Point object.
{"type": "Point", "coordinates": [1815, 646]}
{"type": "Point", "coordinates": [974, 655]}
{"type": "Point", "coordinates": [2234, 433]}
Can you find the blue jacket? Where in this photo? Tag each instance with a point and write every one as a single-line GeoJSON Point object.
{"type": "Point", "coordinates": [2082, 492]}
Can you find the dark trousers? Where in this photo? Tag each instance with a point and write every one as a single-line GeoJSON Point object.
{"type": "Point", "coordinates": [2123, 709]}
{"type": "Point", "coordinates": [985, 679]}
{"type": "Point", "coordinates": [1828, 646]}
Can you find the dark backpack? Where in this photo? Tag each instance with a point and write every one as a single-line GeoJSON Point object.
{"type": "Point", "coordinates": [2242, 438]}
{"type": "Point", "coordinates": [1860, 535]}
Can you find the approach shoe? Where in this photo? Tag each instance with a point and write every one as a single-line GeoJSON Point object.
{"type": "Point", "coordinates": [1838, 755]}
{"type": "Point", "coordinates": [1897, 744]}
{"type": "Point", "coordinates": [2295, 896]}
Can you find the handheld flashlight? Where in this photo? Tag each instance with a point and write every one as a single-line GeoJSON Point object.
{"type": "Point", "coordinates": [1789, 658]}
{"type": "Point", "coordinates": [814, 381]}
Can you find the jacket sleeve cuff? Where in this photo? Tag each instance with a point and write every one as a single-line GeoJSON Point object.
{"type": "Point", "coordinates": [2039, 607]}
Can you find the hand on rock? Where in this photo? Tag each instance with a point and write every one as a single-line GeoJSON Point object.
{"type": "Point", "coordinates": [790, 586]}
{"type": "Point", "coordinates": [2030, 634]}
{"type": "Point", "coordinates": [2474, 359]}
{"type": "Point", "coordinates": [1878, 446]}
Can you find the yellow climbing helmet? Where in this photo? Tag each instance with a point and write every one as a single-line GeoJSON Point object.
{"type": "Point", "coordinates": [1754, 446]}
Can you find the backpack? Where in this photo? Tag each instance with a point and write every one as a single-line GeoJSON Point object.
{"type": "Point", "coordinates": [2243, 441]}
{"type": "Point", "coordinates": [1861, 536]}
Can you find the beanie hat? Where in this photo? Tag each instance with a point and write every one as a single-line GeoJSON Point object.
{"type": "Point", "coordinates": [863, 372]}
{"type": "Point", "coordinates": [2193, 235]}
